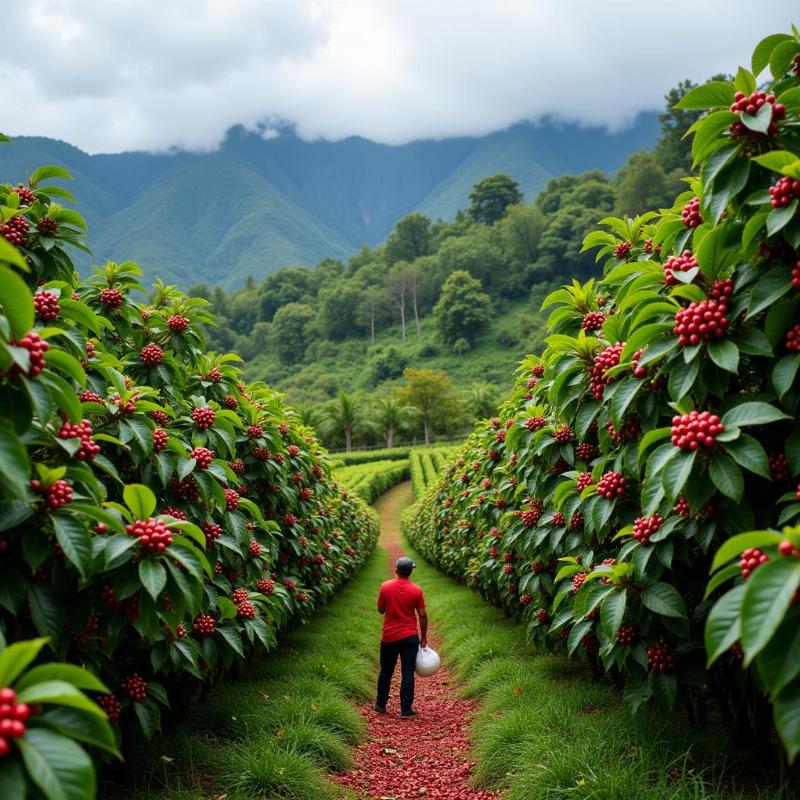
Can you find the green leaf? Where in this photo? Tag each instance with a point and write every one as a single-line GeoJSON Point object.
{"type": "Point", "coordinates": [776, 160]}
{"type": "Point", "coordinates": [57, 765]}
{"type": "Point", "coordinates": [665, 688]}
{"type": "Point", "coordinates": [47, 610]}
{"type": "Point", "coordinates": [48, 172]}
{"type": "Point", "coordinates": [682, 378]}
{"type": "Point", "coordinates": [140, 500]}
{"type": "Point", "coordinates": [664, 599]}
{"type": "Point", "coordinates": [15, 659]}
{"type": "Point", "coordinates": [727, 476]}
{"type": "Point", "coordinates": [59, 693]}
{"type": "Point", "coordinates": [786, 712]}
{"type": "Point", "coordinates": [758, 122]}
{"type": "Point", "coordinates": [763, 50]}
{"type": "Point", "coordinates": [725, 354]}
{"type": "Point", "coordinates": [769, 288]}
{"type": "Point", "coordinates": [748, 453]}
{"type": "Point", "coordinates": [779, 662]}
{"type": "Point", "coordinates": [12, 778]}
{"type": "Point", "coordinates": [75, 540]}
{"type": "Point", "coordinates": [676, 472]}
{"type": "Point", "coordinates": [84, 727]}
{"type": "Point", "coordinates": [753, 413]}
{"type": "Point", "coordinates": [714, 94]}
{"type": "Point", "coordinates": [784, 373]}
{"type": "Point", "coordinates": [782, 56]}
{"type": "Point", "coordinates": [14, 465]}
{"type": "Point", "coordinates": [779, 218]}
{"type": "Point", "coordinates": [723, 626]}
{"type": "Point", "coordinates": [767, 598]}
{"type": "Point", "coordinates": [11, 255]}
{"type": "Point", "coordinates": [637, 690]}
{"type": "Point", "coordinates": [149, 717]}
{"type": "Point", "coordinates": [231, 636]}
{"type": "Point", "coordinates": [81, 313]}
{"type": "Point", "coordinates": [64, 362]}
{"type": "Point", "coordinates": [17, 302]}
{"type": "Point", "coordinates": [744, 81]}
{"type": "Point", "coordinates": [613, 610]}
{"type": "Point", "coordinates": [723, 576]}
{"type": "Point", "coordinates": [70, 673]}
{"type": "Point", "coordinates": [736, 545]}
{"type": "Point", "coordinates": [153, 577]}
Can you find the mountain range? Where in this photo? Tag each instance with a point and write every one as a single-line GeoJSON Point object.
{"type": "Point", "coordinates": [259, 203]}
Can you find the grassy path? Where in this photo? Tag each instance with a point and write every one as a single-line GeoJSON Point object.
{"type": "Point", "coordinates": [427, 756]}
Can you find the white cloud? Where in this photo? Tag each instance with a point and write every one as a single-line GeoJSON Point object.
{"type": "Point", "coordinates": [112, 75]}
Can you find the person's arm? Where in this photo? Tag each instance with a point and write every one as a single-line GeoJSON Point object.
{"type": "Point", "coordinates": [381, 602]}
{"type": "Point", "coordinates": [423, 627]}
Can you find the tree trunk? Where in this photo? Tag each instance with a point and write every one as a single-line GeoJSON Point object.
{"type": "Point", "coordinates": [416, 313]}
{"type": "Point", "coordinates": [390, 436]}
{"type": "Point", "coordinates": [403, 320]}
{"type": "Point", "coordinates": [348, 439]}
{"type": "Point", "coordinates": [427, 430]}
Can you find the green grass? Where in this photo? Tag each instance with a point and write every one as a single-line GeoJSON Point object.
{"type": "Point", "coordinates": [285, 722]}
{"type": "Point", "coordinates": [370, 480]}
{"type": "Point", "coordinates": [546, 729]}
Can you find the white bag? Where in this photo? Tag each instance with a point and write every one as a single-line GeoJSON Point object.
{"type": "Point", "coordinates": [428, 662]}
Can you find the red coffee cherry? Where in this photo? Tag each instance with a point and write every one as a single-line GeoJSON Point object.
{"type": "Point", "coordinates": [796, 275]}
{"type": "Point", "coordinates": [231, 500]}
{"type": "Point", "coordinates": [627, 634]}
{"type": "Point", "coordinates": [701, 322]}
{"type": "Point", "coordinates": [541, 615]}
{"type": "Point", "coordinates": [750, 104]}
{"type": "Point", "coordinates": [525, 599]}
{"type": "Point", "coordinates": [662, 657]}
{"type": "Point", "coordinates": [237, 466]}
{"type": "Point", "coordinates": [89, 449]}
{"type": "Point", "coordinates": [177, 324]}
{"type": "Point", "coordinates": [645, 527]}
{"type": "Point", "coordinates": [47, 226]}
{"type": "Point", "coordinates": [154, 535]}
{"type": "Point", "coordinates": [36, 347]}
{"type": "Point", "coordinates": [230, 402]}
{"type": "Point", "coordinates": [293, 450]}
{"type": "Point", "coordinates": [26, 196]}
{"type": "Point", "coordinates": [535, 423]}
{"type": "Point", "coordinates": [692, 218]}
{"type": "Point", "coordinates": [203, 456]}
{"type": "Point", "coordinates": [603, 362]}
{"type": "Point", "coordinates": [695, 429]}
{"type": "Point", "coordinates": [15, 230]}
{"type": "Point", "coordinates": [254, 549]}
{"type": "Point", "coordinates": [611, 485]}
{"type": "Point", "coordinates": [538, 370]}
{"type": "Point", "coordinates": [627, 431]}
{"type": "Point", "coordinates": [622, 251]}
{"type": "Point", "coordinates": [265, 586]}
{"type": "Point", "coordinates": [289, 584]}
{"type": "Point", "coordinates": [215, 375]}
{"type": "Point", "coordinates": [682, 263]}
{"type": "Point", "coordinates": [171, 511]}
{"type": "Point", "coordinates": [204, 625]}
{"type": "Point", "coordinates": [585, 451]}
{"type": "Point", "coordinates": [793, 339]}
{"type": "Point", "coordinates": [562, 434]}
{"type": "Point", "coordinates": [111, 298]}
{"type": "Point", "coordinates": [46, 306]}
{"type": "Point", "coordinates": [576, 522]}
{"type": "Point", "coordinates": [90, 397]}
{"type": "Point", "coordinates": [593, 321]}
{"type": "Point", "coordinates": [151, 355]}
{"type": "Point", "coordinates": [239, 596]}
{"type": "Point", "coordinates": [722, 290]}
{"type": "Point", "coordinates": [160, 418]}
{"type": "Point", "coordinates": [160, 440]}
{"type": "Point", "coordinates": [784, 191]}
{"type": "Point", "coordinates": [779, 468]}
{"type": "Point", "coordinates": [682, 507]}
{"type": "Point", "coordinates": [254, 431]}
{"type": "Point", "coordinates": [750, 559]}
{"type": "Point", "coordinates": [203, 417]}
{"type": "Point", "coordinates": [111, 705]}
{"type": "Point", "coordinates": [583, 480]}
{"type": "Point", "coordinates": [135, 687]}
{"type": "Point", "coordinates": [577, 580]}
{"type": "Point", "coordinates": [289, 520]}
{"type": "Point", "coordinates": [246, 610]}
{"type": "Point", "coordinates": [56, 495]}
{"type": "Point", "coordinates": [212, 531]}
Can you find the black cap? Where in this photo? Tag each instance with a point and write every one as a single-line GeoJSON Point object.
{"type": "Point", "coordinates": [404, 565]}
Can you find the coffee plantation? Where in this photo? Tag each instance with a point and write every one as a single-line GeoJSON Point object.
{"type": "Point", "coordinates": [161, 521]}
{"type": "Point", "coordinates": [656, 439]}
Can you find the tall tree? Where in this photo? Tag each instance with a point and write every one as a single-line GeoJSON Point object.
{"type": "Point", "coordinates": [463, 309]}
{"type": "Point", "coordinates": [398, 282]}
{"type": "Point", "coordinates": [374, 300]}
{"type": "Point", "coordinates": [343, 415]}
{"type": "Point", "coordinates": [643, 185]}
{"type": "Point", "coordinates": [391, 415]}
{"type": "Point", "coordinates": [521, 229]}
{"type": "Point", "coordinates": [411, 238]}
{"type": "Point", "coordinates": [491, 197]}
{"type": "Point", "coordinates": [482, 399]}
{"type": "Point", "coordinates": [290, 331]}
{"type": "Point", "coordinates": [432, 393]}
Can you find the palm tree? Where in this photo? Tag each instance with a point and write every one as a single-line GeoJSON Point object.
{"type": "Point", "coordinates": [310, 416]}
{"type": "Point", "coordinates": [390, 416]}
{"type": "Point", "coordinates": [343, 415]}
{"type": "Point", "coordinates": [482, 399]}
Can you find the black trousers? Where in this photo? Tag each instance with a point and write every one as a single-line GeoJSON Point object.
{"type": "Point", "coordinates": [407, 650]}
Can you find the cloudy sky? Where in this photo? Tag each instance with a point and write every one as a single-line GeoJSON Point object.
{"type": "Point", "coordinates": [110, 75]}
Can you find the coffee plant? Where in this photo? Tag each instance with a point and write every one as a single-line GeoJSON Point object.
{"type": "Point", "coordinates": [160, 520]}
{"type": "Point", "coordinates": [659, 428]}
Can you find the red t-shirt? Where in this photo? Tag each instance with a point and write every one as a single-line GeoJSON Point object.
{"type": "Point", "coordinates": [401, 599]}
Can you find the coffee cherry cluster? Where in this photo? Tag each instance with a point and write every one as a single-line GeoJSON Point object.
{"type": "Point", "coordinates": [151, 355]}
{"type": "Point", "coordinates": [215, 375]}
{"type": "Point", "coordinates": [265, 585]}
{"type": "Point", "coordinates": [111, 705]}
{"type": "Point", "coordinates": [306, 493]}
{"type": "Point", "coordinates": [26, 196]}
{"type": "Point", "coordinates": [779, 468]}
{"type": "Point", "coordinates": [245, 610]}
{"type": "Point", "coordinates": [627, 634]}
{"type": "Point", "coordinates": [701, 322]}
{"type": "Point", "coordinates": [212, 532]}
{"type": "Point", "coordinates": [177, 324]}
{"type": "Point", "coordinates": [36, 347]}
{"type": "Point", "coordinates": [13, 716]}
{"type": "Point", "coordinates": [204, 624]}
{"type": "Point", "coordinates": [695, 429]}
{"type": "Point", "coordinates": [576, 521]}
{"type": "Point", "coordinates": [159, 417]}
{"type": "Point", "coordinates": [289, 584]}
{"type": "Point", "coordinates": [662, 657]}
{"type": "Point", "coordinates": [160, 440]}
{"type": "Point", "coordinates": [56, 495]}
{"type": "Point", "coordinates": [559, 519]}
{"type": "Point", "coordinates": [111, 298]}
{"type": "Point", "coordinates": [135, 687]}
{"type": "Point", "coordinates": [786, 548]}
{"type": "Point", "coordinates": [203, 456]}
{"type": "Point", "coordinates": [578, 579]}
{"type": "Point", "coordinates": [541, 616]}
{"type": "Point", "coordinates": [629, 430]}
{"type": "Point", "coordinates": [691, 216]}
{"type": "Point", "coordinates": [562, 433]}
{"type": "Point", "coordinates": [645, 527]}
{"type": "Point", "coordinates": [15, 231]}
{"type": "Point", "coordinates": [611, 485]}
{"type": "Point", "coordinates": [293, 450]}
{"type": "Point", "coordinates": [682, 263]}
{"type": "Point", "coordinates": [254, 549]}
{"type": "Point", "coordinates": [254, 431]}
{"type": "Point", "coordinates": [289, 520]}
{"type": "Point", "coordinates": [535, 423]}
{"type": "Point", "coordinates": [593, 321]}
{"type": "Point", "coordinates": [237, 466]}
{"type": "Point", "coordinates": [90, 397]}
{"type": "Point", "coordinates": [47, 226]}
{"type": "Point", "coordinates": [784, 192]}
{"type": "Point", "coordinates": [154, 535]}
{"type": "Point", "coordinates": [239, 596]}
{"type": "Point", "coordinates": [88, 449]}
{"type": "Point", "coordinates": [530, 518]}
{"type": "Point", "coordinates": [622, 250]}
{"type": "Point", "coordinates": [750, 104]}
{"type": "Point", "coordinates": [525, 599]}
{"type": "Point", "coordinates": [231, 499]}
{"type": "Point", "coordinates": [230, 402]}
{"type": "Point", "coordinates": [585, 451]}
{"type": "Point", "coordinates": [750, 560]}
{"type": "Point", "coordinates": [46, 306]}
{"type": "Point", "coordinates": [722, 290]}
{"type": "Point", "coordinates": [583, 480]}
{"type": "Point", "coordinates": [682, 507]}
{"type": "Point", "coordinates": [203, 417]}
{"type": "Point", "coordinates": [603, 362]}
{"type": "Point", "coordinates": [171, 511]}
{"type": "Point", "coordinates": [792, 340]}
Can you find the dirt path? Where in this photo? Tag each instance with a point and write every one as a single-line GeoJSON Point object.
{"type": "Point", "coordinates": [425, 757]}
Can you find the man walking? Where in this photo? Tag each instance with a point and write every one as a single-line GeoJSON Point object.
{"type": "Point", "coordinates": [398, 600]}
